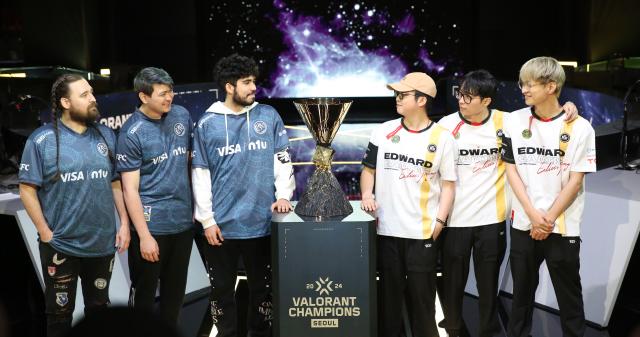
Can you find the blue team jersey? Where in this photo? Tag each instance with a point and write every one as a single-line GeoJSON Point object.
{"type": "Point", "coordinates": [240, 161]}
{"type": "Point", "coordinates": [159, 149]}
{"type": "Point", "coordinates": [78, 206]}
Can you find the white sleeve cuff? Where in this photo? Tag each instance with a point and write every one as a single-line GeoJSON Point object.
{"type": "Point", "coordinates": [283, 172]}
{"type": "Point", "coordinates": [208, 223]}
{"type": "Point", "coordinates": [202, 196]}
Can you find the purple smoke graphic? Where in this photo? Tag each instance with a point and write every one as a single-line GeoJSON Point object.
{"type": "Point", "coordinates": [319, 64]}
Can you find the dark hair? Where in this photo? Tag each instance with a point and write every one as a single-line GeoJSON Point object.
{"type": "Point", "coordinates": [479, 82]}
{"type": "Point", "coordinates": [59, 90]}
{"type": "Point", "coordinates": [429, 103]}
{"type": "Point", "coordinates": [232, 68]}
{"type": "Point", "coordinates": [147, 77]}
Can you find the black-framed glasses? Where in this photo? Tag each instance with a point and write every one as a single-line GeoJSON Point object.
{"type": "Point", "coordinates": [467, 98]}
{"type": "Point", "coordinates": [402, 94]}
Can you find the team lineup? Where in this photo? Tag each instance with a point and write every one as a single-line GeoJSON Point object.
{"type": "Point", "coordinates": [450, 187]}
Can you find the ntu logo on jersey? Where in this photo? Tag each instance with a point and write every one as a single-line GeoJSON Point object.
{"type": "Point", "coordinates": [227, 150]}
{"type": "Point", "coordinates": [159, 159]}
{"type": "Point", "coordinates": [103, 149]}
{"type": "Point", "coordinates": [99, 174]}
{"type": "Point", "coordinates": [180, 150]}
{"type": "Point", "coordinates": [257, 145]}
{"type": "Point", "coordinates": [179, 129]}
{"type": "Point", "coordinates": [260, 127]}
{"type": "Point", "coordinates": [565, 137]}
{"type": "Point", "coordinates": [72, 176]}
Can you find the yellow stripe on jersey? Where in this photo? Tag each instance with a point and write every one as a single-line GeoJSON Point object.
{"type": "Point", "coordinates": [426, 186]}
{"type": "Point", "coordinates": [501, 196]}
{"type": "Point", "coordinates": [566, 129]}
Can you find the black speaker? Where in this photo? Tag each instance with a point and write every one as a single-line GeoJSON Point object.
{"type": "Point", "coordinates": [630, 143]}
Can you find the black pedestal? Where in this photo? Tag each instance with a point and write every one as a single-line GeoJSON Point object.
{"type": "Point", "coordinates": [324, 276]}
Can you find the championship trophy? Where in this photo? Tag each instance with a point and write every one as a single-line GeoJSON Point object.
{"type": "Point", "coordinates": [324, 196]}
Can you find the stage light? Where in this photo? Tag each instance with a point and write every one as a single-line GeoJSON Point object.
{"type": "Point", "coordinates": [105, 72]}
{"type": "Point", "coordinates": [569, 63]}
{"type": "Point", "coordinates": [19, 75]}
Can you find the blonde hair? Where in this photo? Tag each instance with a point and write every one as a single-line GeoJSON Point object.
{"type": "Point", "coordinates": [543, 69]}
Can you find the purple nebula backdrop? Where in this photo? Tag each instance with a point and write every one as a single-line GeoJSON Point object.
{"type": "Point", "coordinates": [335, 48]}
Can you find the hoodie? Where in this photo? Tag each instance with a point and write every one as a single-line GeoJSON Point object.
{"type": "Point", "coordinates": [241, 166]}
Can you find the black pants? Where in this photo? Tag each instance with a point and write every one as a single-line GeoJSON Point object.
{"type": "Point", "coordinates": [222, 267]}
{"type": "Point", "coordinates": [562, 255]}
{"type": "Point", "coordinates": [171, 271]}
{"type": "Point", "coordinates": [488, 244]}
{"type": "Point", "coordinates": [60, 272]}
{"type": "Point", "coordinates": [407, 267]}
{"type": "Point", "coordinates": [206, 325]}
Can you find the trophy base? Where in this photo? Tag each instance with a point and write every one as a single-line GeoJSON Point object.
{"type": "Point", "coordinates": [323, 198]}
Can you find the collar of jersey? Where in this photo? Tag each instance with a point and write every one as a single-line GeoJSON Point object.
{"type": "Point", "coordinates": [533, 113]}
{"type": "Point", "coordinates": [414, 131]}
{"type": "Point", "coordinates": [61, 125]}
{"type": "Point", "coordinates": [151, 119]}
{"type": "Point", "coordinates": [475, 123]}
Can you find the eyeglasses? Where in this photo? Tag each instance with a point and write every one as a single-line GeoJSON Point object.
{"type": "Point", "coordinates": [402, 94]}
{"type": "Point", "coordinates": [467, 98]}
{"type": "Point", "coordinates": [528, 85]}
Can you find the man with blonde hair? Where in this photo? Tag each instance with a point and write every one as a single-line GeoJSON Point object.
{"type": "Point", "coordinates": [547, 158]}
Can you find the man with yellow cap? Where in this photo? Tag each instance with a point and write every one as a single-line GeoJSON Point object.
{"type": "Point", "coordinates": [411, 162]}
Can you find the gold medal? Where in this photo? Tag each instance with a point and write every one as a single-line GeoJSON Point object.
{"type": "Point", "coordinates": [526, 133]}
{"type": "Point", "coordinates": [395, 139]}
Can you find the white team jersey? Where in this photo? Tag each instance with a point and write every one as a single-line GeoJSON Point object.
{"type": "Point", "coordinates": [409, 167]}
{"type": "Point", "coordinates": [481, 186]}
{"type": "Point", "coordinates": [545, 152]}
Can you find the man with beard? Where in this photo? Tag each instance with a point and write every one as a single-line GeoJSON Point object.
{"type": "Point", "coordinates": [68, 185]}
{"type": "Point", "coordinates": [153, 158]}
{"type": "Point", "coordinates": [241, 174]}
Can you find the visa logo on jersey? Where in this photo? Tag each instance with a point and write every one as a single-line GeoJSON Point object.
{"type": "Point", "coordinates": [159, 159]}
{"type": "Point", "coordinates": [228, 150]}
{"type": "Point", "coordinates": [72, 176]}
{"type": "Point", "coordinates": [233, 149]}
{"type": "Point", "coordinates": [79, 175]}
